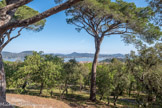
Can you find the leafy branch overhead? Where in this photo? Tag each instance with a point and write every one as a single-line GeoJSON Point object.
{"type": "Point", "coordinates": [15, 15]}
{"type": "Point", "coordinates": [103, 17]}
{"type": "Point", "coordinates": [25, 12]}
{"type": "Point", "coordinates": [33, 19]}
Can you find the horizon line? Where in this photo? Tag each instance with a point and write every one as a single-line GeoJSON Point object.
{"type": "Point", "coordinates": [63, 53]}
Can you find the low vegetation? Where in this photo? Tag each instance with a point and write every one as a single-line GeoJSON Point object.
{"type": "Point", "coordinates": [133, 83]}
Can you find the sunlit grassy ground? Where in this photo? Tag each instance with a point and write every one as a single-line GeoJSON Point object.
{"type": "Point", "coordinates": [80, 99]}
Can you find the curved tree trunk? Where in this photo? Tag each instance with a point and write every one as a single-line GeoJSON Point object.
{"type": "Point", "coordinates": [94, 67]}
{"type": "Point", "coordinates": [2, 80]}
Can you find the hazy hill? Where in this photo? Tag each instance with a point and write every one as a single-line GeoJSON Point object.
{"type": "Point", "coordinates": [21, 55]}
{"type": "Point", "coordinates": [90, 55]}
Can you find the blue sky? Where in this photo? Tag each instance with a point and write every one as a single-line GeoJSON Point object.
{"type": "Point", "coordinates": [60, 37]}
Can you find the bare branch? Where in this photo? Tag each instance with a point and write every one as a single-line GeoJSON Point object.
{"type": "Point", "coordinates": [17, 34]}
{"type": "Point", "coordinates": [89, 32]}
{"type": "Point", "coordinates": [113, 26]}
{"type": "Point", "coordinates": [10, 39]}
{"type": "Point", "coordinates": [88, 24]}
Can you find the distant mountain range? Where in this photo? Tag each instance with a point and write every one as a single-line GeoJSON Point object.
{"type": "Point", "coordinates": [90, 55]}
{"type": "Point", "coordinates": [21, 55]}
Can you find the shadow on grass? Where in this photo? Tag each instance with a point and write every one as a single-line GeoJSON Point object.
{"type": "Point", "coordinates": [124, 102]}
{"type": "Point", "coordinates": [78, 100]}
{"type": "Point", "coordinates": [27, 92]}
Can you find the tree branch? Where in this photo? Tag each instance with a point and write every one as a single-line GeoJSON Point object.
{"type": "Point", "coordinates": [118, 32]}
{"type": "Point", "coordinates": [15, 5]}
{"type": "Point", "coordinates": [38, 17]}
{"type": "Point", "coordinates": [10, 39]}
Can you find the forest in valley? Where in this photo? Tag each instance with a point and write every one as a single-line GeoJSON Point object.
{"type": "Point", "coordinates": [47, 81]}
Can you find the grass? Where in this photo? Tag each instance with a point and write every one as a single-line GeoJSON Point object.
{"type": "Point", "coordinates": [79, 99]}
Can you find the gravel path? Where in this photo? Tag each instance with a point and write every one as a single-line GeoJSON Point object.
{"type": "Point", "coordinates": [26, 101]}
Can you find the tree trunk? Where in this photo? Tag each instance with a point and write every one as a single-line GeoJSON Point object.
{"type": "Point", "coordinates": [24, 85]}
{"type": "Point", "coordinates": [101, 97]}
{"type": "Point", "coordinates": [3, 103]}
{"type": "Point", "coordinates": [130, 88]}
{"type": "Point", "coordinates": [41, 88]}
{"type": "Point", "coordinates": [94, 67]}
{"type": "Point", "coordinates": [65, 90]}
{"type": "Point", "coordinates": [81, 87]}
{"type": "Point", "coordinates": [2, 79]}
{"type": "Point", "coordinates": [108, 100]}
{"type": "Point", "coordinates": [115, 99]}
{"type": "Point", "coordinates": [51, 93]}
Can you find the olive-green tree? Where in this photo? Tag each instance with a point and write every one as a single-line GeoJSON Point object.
{"type": "Point", "coordinates": [11, 69]}
{"type": "Point", "coordinates": [69, 75]}
{"type": "Point", "coordinates": [59, 62]}
{"type": "Point", "coordinates": [73, 75]}
{"type": "Point", "coordinates": [104, 81]}
{"type": "Point", "coordinates": [146, 69]}
{"type": "Point", "coordinates": [83, 73]}
{"type": "Point", "coordinates": [40, 71]}
{"type": "Point", "coordinates": [121, 78]}
{"type": "Point", "coordinates": [112, 80]}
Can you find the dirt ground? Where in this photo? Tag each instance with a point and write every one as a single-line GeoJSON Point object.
{"type": "Point", "coordinates": [26, 101]}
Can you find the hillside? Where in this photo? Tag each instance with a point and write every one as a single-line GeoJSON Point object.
{"type": "Point", "coordinates": [21, 55]}
{"type": "Point", "coordinates": [90, 55]}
